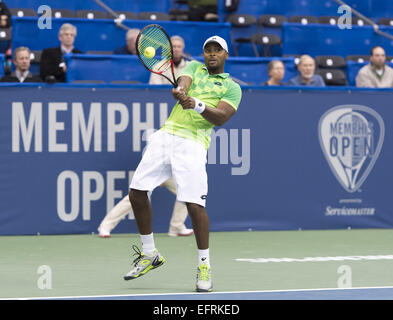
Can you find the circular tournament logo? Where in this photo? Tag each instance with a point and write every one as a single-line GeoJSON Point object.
{"type": "Point", "coordinates": [351, 138]}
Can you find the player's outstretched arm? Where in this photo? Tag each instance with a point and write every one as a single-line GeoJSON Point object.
{"type": "Point", "coordinates": [217, 116]}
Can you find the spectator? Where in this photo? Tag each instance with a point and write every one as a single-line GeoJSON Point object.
{"type": "Point", "coordinates": [376, 74]}
{"type": "Point", "coordinates": [276, 72]}
{"type": "Point", "coordinates": [130, 46]}
{"type": "Point", "coordinates": [118, 212]}
{"type": "Point", "coordinates": [178, 61]}
{"type": "Point", "coordinates": [307, 76]}
{"type": "Point", "coordinates": [53, 66]}
{"type": "Point", "coordinates": [22, 64]}
{"type": "Point", "coordinates": [5, 16]}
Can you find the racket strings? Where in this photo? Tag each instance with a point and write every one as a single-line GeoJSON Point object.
{"type": "Point", "coordinates": [154, 37]}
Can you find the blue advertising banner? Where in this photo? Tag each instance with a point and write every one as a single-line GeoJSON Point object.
{"type": "Point", "coordinates": [288, 159]}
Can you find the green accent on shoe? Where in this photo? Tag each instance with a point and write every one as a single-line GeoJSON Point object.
{"type": "Point", "coordinates": [143, 263]}
{"type": "Point", "coordinates": [204, 279]}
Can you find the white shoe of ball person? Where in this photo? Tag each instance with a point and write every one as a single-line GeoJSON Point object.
{"type": "Point", "coordinates": [102, 233]}
{"type": "Point", "coordinates": [182, 233]}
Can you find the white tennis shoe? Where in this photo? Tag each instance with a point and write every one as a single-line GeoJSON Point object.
{"type": "Point", "coordinates": [204, 278]}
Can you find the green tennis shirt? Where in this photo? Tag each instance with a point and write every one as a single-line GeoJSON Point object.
{"type": "Point", "coordinates": [211, 89]}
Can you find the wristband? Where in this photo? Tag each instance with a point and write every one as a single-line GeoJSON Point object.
{"type": "Point", "coordinates": [199, 105]}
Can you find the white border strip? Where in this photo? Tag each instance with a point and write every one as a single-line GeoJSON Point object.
{"type": "Point", "coordinates": [198, 293]}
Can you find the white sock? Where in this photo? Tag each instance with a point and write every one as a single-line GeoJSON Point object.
{"type": "Point", "coordinates": [204, 256]}
{"type": "Point", "coordinates": [148, 245]}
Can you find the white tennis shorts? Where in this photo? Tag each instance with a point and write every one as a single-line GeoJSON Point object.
{"type": "Point", "coordinates": [167, 155]}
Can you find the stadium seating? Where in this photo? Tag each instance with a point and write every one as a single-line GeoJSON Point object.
{"type": "Point", "coordinates": [129, 15]}
{"type": "Point", "coordinates": [333, 77]}
{"type": "Point", "coordinates": [105, 68]}
{"type": "Point", "coordinates": [271, 20]}
{"type": "Point", "coordinates": [324, 39]}
{"type": "Point", "coordinates": [358, 58]}
{"type": "Point", "coordinates": [125, 82]}
{"type": "Point", "coordinates": [243, 26]}
{"type": "Point", "coordinates": [353, 68]}
{"type": "Point", "coordinates": [5, 38]}
{"type": "Point", "coordinates": [98, 52]}
{"type": "Point", "coordinates": [104, 35]}
{"type": "Point", "coordinates": [386, 21]}
{"type": "Point", "coordinates": [378, 8]}
{"type": "Point", "coordinates": [265, 42]}
{"type": "Point", "coordinates": [360, 22]}
{"type": "Point", "coordinates": [253, 71]}
{"type": "Point", "coordinates": [117, 5]}
{"type": "Point", "coordinates": [303, 19]}
{"type": "Point", "coordinates": [2, 59]}
{"type": "Point", "coordinates": [332, 69]}
{"type": "Point", "coordinates": [153, 15]}
{"type": "Point", "coordinates": [316, 14]}
{"type": "Point", "coordinates": [23, 12]}
{"type": "Point", "coordinates": [35, 58]}
{"type": "Point", "coordinates": [374, 8]}
{"type": "Point", "coordinates": [110, 68]}
{"type": "Point", "coordinates": [63, 13]}
{"type": "Point", "coordinates": [91, 14]}
{"type": "Point", "coordinates": [289, 7]}
{"type": "Point", "coordinates": [258, 28]}
{"type": "Point", "coordinates": [272, 24]}
{"type": "Point", "coordinates": [88, 82]}
{"type": "Point", "coordinates": [330, 62]}
{"type": "Point", "coordinates": [332, 20]}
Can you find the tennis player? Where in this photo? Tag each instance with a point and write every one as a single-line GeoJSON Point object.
{"type": "Point", "coordinates": [207, 97]}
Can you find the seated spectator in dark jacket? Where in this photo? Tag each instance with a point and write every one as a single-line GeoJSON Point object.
{"type": "Point", "coordinates": [52, 59]}
{"type": "Point", "coordinates": [130, 46]}
{"type": "Point", "coordinates": [22, 68]}
{"type": "Point", "coordinates": [5, 16]}
{"type": "Point", "coordinates": [307, 77]}
{"type": "Point", "coordinates": [276, 72]}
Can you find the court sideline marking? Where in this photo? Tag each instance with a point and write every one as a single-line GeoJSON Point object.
{"type": "Point", "coordinates": [317, 259]}
{"type": "Point", "coordinates": [203, 296]}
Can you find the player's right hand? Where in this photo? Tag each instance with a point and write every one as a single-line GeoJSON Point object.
{"type": "Point", "coordinates": [179, 93]}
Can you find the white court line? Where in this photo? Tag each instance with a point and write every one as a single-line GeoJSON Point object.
{"type": "Point", "coordinates": [200, 294]}
{"type": "Point", "coordinates": [318, 259]}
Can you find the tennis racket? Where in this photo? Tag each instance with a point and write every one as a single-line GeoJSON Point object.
{"type": "Point", "coordinates": [154, 49]}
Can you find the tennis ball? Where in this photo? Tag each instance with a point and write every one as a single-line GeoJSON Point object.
{"type": "Point", "coordinates": [149, 52]}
